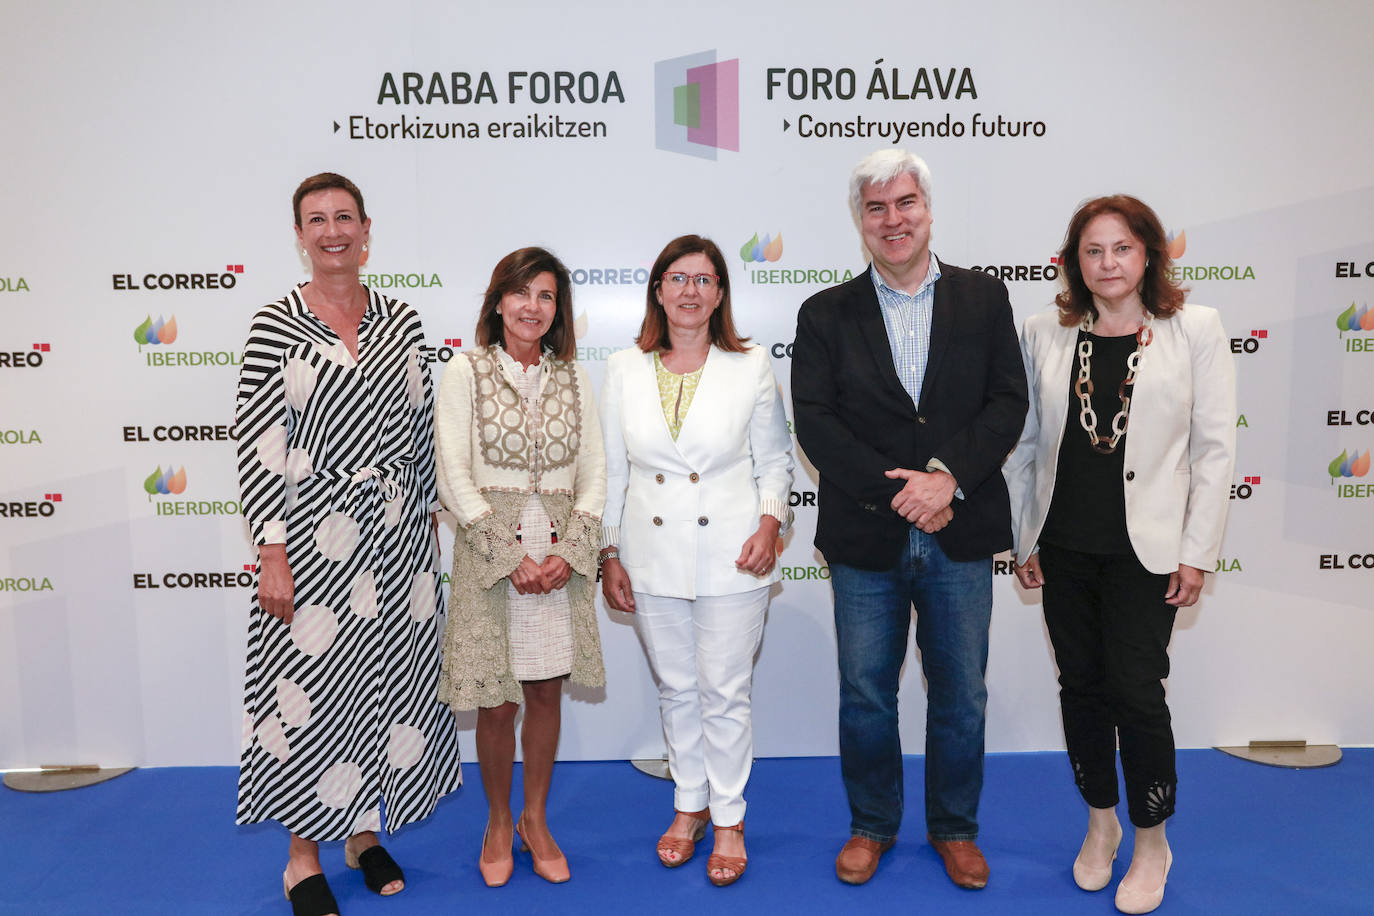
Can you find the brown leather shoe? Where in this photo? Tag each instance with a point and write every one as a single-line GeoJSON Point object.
{"type": "Point", "coordinates": [964, 862]}
{"type": "Point", "coordinates": [858, 860]}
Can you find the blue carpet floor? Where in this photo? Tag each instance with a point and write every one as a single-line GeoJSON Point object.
{"type": "Point", "coordinates": [1248, 839]}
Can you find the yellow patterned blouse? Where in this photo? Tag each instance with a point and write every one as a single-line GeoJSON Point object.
{"type": "Point", "coordinates": [675, 392]}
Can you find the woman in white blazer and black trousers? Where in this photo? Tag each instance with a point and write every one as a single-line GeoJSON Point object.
{"type": "Point", "coordinates": [1119, 489]}
{"type": "Point", "coordinates": [699, 470]}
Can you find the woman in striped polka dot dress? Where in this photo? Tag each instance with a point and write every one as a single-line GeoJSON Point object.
{"type": "Point", "coordinates": [335, 425]}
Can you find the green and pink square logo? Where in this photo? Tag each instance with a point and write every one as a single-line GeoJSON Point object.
{"type": "Point", "coordinates": [696, 105]}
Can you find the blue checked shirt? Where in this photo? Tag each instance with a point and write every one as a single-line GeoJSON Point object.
{"type": "Point", "coordinates": [907, 319]}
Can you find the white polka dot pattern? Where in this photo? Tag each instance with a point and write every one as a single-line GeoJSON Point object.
{"type": "Point", "coordinates": [298, 465]}
{"type": "Point", "coordinates": [313, 629]}
{"type": "Point", "coordinates": [405, 746]}
{"type": "Point", "coordinates": [369, 820]}
{"type": "Point", "coordinates": [422, 600]}
{"type": "Point", "coordinates": [299, 377]}
{"type": "Point", "coordinates": [337, 536]}
{"type": "Point", "coordinates": [292, 703]}
{"type": "Point", "coordinates": [336, 353]}
{"type": "Point", "coordinates": [273, 740]}
{"type": "Point", "coordinates": [339, 784]}
{"type": "Point", "coordinates": [272, 449]}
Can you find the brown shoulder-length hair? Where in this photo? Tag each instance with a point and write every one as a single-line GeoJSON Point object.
{"type": "Point", "coordinates": [1161, 295]}
{"type": "Point", "coordinates": [514, 272]}
{"type": "Point", "coordinates": [653, 333]}
{"type": "Point", "coordinates": [323, 182]}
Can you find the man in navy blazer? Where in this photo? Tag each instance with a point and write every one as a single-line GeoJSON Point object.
{"type": "Point", "coordinates": [908, 392]}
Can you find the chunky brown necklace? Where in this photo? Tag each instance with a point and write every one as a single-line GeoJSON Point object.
{"type": "Point", "coordinates": [1083, 386]}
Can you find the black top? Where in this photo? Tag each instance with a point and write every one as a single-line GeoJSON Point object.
{"type": "Point", "coordinates": [1088, 509]}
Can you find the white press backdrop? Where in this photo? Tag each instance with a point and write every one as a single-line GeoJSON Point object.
{"type": "Point", "coordinates": [163, 139]}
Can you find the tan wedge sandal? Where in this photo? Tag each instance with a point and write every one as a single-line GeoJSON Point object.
{"type": "Point", "coordinates": [728, 864]}
{"type": "Point", "coordinates": [685, 847]}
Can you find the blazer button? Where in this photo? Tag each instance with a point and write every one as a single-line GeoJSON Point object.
{"type": "Point", "coordinates": [694, 477]}
{"type": "Point", "coordinates": [1130, 475]}
{"type": "Point", "coordinates": [703, 521]}
{"type": "Point", "coordinates": [658, 477]}
{"type": "Point", "coordinates": [657, 520]}
{"type": "Point", "coordinates": [921, 419]}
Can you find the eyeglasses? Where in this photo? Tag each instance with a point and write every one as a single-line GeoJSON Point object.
{"type": "Point", "coordinates": [702, 281]}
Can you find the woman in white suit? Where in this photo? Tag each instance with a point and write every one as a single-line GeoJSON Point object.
{"type": "Point", "coordinates": [1119, 489]}
{"type": "Point", "coordinates": [699, 469]}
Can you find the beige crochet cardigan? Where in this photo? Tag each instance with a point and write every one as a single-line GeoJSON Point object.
{"type": "Point", "coordinates": [482, 456]}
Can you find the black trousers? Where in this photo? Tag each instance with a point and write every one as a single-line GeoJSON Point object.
{"type": "Point", "coordinates": [1110, 629]}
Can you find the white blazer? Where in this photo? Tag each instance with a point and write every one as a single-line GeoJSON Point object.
{"type": "Point", "coordinates": [1180, 444]}
{"type": "Point", "coordinates": [680, 511]}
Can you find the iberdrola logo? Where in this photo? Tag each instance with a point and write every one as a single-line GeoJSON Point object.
{"type": "Point", "coordinates": [1344, 465]}
{"type": "Point", "coordinates": [1178, 244]}
{"type": "Point", "coordinates": [1352, 320]}
{"type": "Point", "coordinates": [770, 249]}
{"type": "Point", "coordinates": [160, 483]}
{"type": "Point", "coordinates": [156, 332]}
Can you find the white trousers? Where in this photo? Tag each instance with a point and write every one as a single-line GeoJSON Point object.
{"type": "Point", "coordinates": [701, 653]}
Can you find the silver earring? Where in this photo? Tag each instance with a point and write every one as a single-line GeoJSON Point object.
{"type": "Point", "coordinates": [498, 310]}
{"type": "Point", "coordinates": [304, 254]}
{"type": "Point", "coordinates": [364, 246]}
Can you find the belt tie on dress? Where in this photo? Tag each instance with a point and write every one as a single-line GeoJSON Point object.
{"type": "Point", "coordinates": [370, 512]}
{"type": "Point", "coordinates": [385, 480]}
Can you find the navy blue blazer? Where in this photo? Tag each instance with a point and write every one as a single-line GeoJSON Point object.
{"type": "Point", "coordinates": [854, 420]}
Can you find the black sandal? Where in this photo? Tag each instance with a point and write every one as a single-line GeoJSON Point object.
{"type": "Point", "coordinates": [378, 868]}
{"type": "Point", "coordinates": [310, 897]}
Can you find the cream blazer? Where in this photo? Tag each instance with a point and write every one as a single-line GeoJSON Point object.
{"type": "Point", "coordinates": [1180, 445]}
{"type": "Point", "coordinates": [680, 511]}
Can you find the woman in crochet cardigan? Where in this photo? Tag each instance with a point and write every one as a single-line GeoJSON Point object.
{"type": "Point", "coordinates": [521, 466]}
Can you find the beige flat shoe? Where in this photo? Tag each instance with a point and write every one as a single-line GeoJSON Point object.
{"type": "Point", "coordinates": [1132, 900]}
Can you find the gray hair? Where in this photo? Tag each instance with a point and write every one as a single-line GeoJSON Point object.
{"type": "Point", "coordinates": [883, 166]}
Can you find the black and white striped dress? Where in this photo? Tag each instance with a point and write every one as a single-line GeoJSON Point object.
{"type": "Point", "coordinates": [336, 459]}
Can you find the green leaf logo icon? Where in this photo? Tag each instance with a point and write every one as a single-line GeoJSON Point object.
{"type": "Point", "coordinates": [1343, 319]}
{"type": "Point", "coordinates": [1334, 468]}
{"type": "Point", "coordinates": [141, 332]}
{"type": "Point", "coordinates": [746, 251]}
{"type": "Point", "coordinates": [150, 485]}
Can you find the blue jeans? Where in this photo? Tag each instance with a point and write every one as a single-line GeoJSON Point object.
{"type": "Point", "coordinates": [872, 613]}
